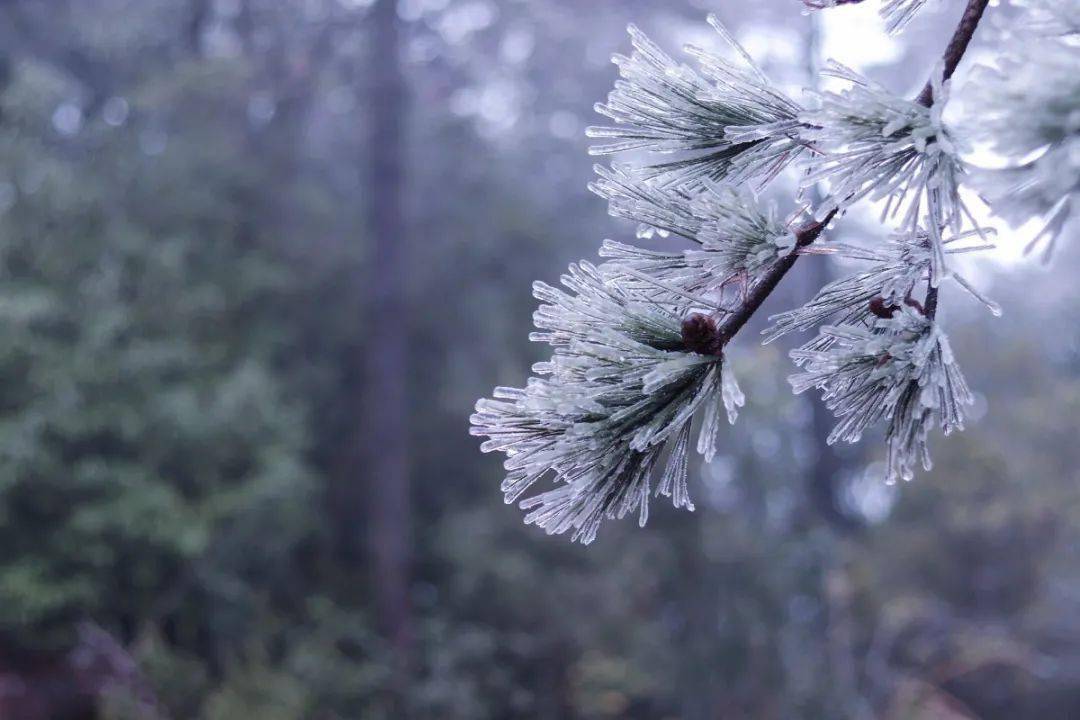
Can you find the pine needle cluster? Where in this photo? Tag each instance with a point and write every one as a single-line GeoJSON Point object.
{"type": "Point", "coordinates": [640, 342]}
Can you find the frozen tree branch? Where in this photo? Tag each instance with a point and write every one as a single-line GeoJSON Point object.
{"type": "Point", "coordinates": [954, 51]}
{"type": "Point", "coordinates": [1026, 109]}
{"type": "Point", "coordinates": [639, 341]}
{"type": "Point", "coordinates": [805, 235]}
{"type": "Point", "coordinates": [809, 232]}
{"type": "Point", "coordinates": [957, 46]}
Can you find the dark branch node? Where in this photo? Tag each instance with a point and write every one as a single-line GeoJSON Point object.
{"type": "Point", "coordinates": [701, 335]}
{"type": "Point", "coordinates": [880, 309]}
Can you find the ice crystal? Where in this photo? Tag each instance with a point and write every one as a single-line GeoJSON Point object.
{"type": "Point", "coordinates": [896, 13]}
{"type": "Point", "coordinates": [879, 146]}
{"type": "Point", "coordinates": [629, 196]}
{"type": "Point", "coordinates": [619, 389]}
{"type": "Point", "coordinates": [901, 371]}
{"type": "Point", "coordinates": [896, 269]}
{"type": "Point", "coordinates": [1028, 110]}
{"type": "Point", "coordinates": [727, 120]}
{"type": "Point", "coordinates": [738, 237]}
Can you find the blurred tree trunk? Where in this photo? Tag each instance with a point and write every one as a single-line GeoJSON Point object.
{"type": "Point", "coordinates": [198, 13]}
{"type": "Point", "coordinates": [384, 429]}
{"type": "Point", "coordinates": [5, 77]}
{"type": "Point", "coordinates": [824, 479]}
{"type": "Point", "coordinates": [701, 689]}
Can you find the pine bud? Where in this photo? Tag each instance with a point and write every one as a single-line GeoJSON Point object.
{"type": "Point", "coordinates": [701, 335]}
{"type": "Point", "coordinates": [879, 308]}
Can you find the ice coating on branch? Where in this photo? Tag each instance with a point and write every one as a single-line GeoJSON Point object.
{"type": "Point", "coordinates": [876, 145]}
{"type": "Point", "coordinates": [725, 118]}
{"type": "Point", "coordinates": [897, 269]}
{"type": "Point", "coordinates": [618, 390]}
{"type": "Point", "coordinates": [738, 237]}
{"type": "Point", "coordinates": [639, 341]}
{"type": "Point", "coordinates": [1027, 108]}
{"type": "Point", "coordinates": [899, 371]}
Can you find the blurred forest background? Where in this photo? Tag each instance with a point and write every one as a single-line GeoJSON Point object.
{"type": "Point", "coordinates": [257, 260]}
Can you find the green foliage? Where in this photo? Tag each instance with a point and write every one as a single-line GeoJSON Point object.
{"type": "Point", "coordinates": [147, 438]}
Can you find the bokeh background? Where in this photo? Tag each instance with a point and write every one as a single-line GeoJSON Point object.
{"type": "Point", "coordinates": [258, 258]}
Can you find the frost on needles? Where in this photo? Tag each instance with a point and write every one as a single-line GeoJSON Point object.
{"type": "Point", "coordinates": [888, 281]}
{"type": "Point", "coordinates": [878, 146]}
{"type": "Point", "coordinates": [620, 388]}
{"type": "Point", "coordinates": [640, 371]}
{"type": "Point", "coordinates": [898, 369]}
{"type": "Point", "coordinates": [726, 119]}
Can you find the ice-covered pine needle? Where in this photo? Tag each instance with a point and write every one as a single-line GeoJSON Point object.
{"type": "Point", "coordinates": [897, 269]}
{"type": "Point", "coordinates": [896, 13]}
{"type": "Point", "coordinates": [878, 146]}
{"type": "Point", "coordinates": [724, 118]}
{"type": "Point", "coordinates": [620, 389]}
{"type": "Point", "coordinates": [737, 237]}
{"type": "Point", "coordinates": [899, 371]}
{"type": "Point", "coordinates": [639, 340]}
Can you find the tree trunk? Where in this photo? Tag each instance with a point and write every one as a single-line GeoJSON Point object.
{"type": "Point", "coordinates": [825, 476]}
{"type": "Point", "coordinates": [823, 480]}
{"type": "Point", "coordinates": [198, 14]}
{"type": "Point", "coordinates": [385, 414]}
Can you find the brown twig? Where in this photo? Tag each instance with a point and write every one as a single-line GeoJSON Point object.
{"type": "Point", "coordinates": [965, 29]}
{"type": "Point", "coordinates": [958, 44]}
{"type": "Point", "coordinates": [763, 288]}
{"type": "Point", "coordinates": [808, 233]}
{"type": "Point", "coordinates": [694, 333]}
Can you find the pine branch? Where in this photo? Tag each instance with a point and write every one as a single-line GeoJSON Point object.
{"type": "Point", "coordinates": [957, 46]}
{"type": "Point", "coordinates": [810, 232]}
{"type": "Point", "coordinates": [954, 51]}
{"type": "Point", "coordinates": [805, 235]}
{"type": "Point", "coordinates": [638, 340]}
